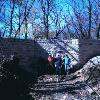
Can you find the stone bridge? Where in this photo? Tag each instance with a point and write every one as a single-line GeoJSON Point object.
{"type": "Point", "coordinates": [80, 51]}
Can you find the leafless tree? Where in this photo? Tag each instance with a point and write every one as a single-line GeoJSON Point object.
{"type": "Point", "coordinates": [81, 19]}
{"type": "Point", "coordinates": [46, 6]}
{"type": "Point", "coordinates": [12, 6]}
{"type": "Point", "coordinates": [85, 18]}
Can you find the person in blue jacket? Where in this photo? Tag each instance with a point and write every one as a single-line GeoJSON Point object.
{"type": "Point", "coordinates": [66, 61]}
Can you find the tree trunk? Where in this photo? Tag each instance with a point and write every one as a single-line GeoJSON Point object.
{"type": "Point", "coordinates": [98, 31]}
{"type": "Point", "coordinates": [90, 15]}
{"type": "Point", "coordinates": [47, 27]}
{"type": "Point", "coordinates": [19, 24]}
{"type": "Point", "coordinates": [26, 23]}
{"type": "Point", "coordinates": [11, 19]}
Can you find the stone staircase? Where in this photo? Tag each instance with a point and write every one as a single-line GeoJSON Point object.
{"type": "Point", "coordinates": [54, 87]}
{"type": "Point", "coordinates": [56, 83]}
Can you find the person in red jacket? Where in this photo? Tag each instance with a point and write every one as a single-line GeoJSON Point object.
{"type": "Point", "coordinates": [50, 59]}
{"type": "Point", "coordinates": [50, 63]}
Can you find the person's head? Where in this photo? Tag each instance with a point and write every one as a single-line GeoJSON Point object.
{"type": "Point", "coordinates": [58, 55]}
{"type": "Point", "coordinates": [50, 55]}
{"type": "Point", "coordinates": [66, 55]}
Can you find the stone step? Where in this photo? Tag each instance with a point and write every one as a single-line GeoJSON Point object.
{"type": "Point", "coordinates": [55, 84]}
{"type": "Point", "coordinates": [55, 78]}
{"type": "Point", "coordinates": [53, 87]}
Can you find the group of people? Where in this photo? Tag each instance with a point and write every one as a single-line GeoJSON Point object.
{"type": "Point", "coordinates": [58, 62]}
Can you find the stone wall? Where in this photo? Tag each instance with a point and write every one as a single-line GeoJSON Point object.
{"type": "Point", "coordinates": [26, 50]}
{"type": "Point", "coordinates": [88, 49]}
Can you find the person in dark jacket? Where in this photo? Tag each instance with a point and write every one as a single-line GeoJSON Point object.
{"type": "Point", "coordinates": [58, 63]}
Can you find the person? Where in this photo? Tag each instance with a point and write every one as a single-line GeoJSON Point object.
{"type": "Point", "coordinates": [50, 59]}
{"type": "Point", "coordinates": [66, 61]}
{"type": "Point", "coordinates": [50, 63]}
{"type": "Point", "coordinates": [58, 63]}
{"type": "Point", "coordinates": [11, 57]}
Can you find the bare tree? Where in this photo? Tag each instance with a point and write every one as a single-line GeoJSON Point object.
{"type": "Point", "coordinates": [85, 20]}
{"type": "Point", "coordinates": [46, 8]}
{"type": "Point", "coordinates": [81, 20]}
{"type": "Point", "coordinates": [26, 22]}
{"type": "Point", "coordinates": [23, 16]}
{"type": "Point", "coordinates": [2, 19]}
{"type": "Point", "coordinates": [98, 32]}
{"type": "Point", "coordinates": [96, 19]}
{"type": "Point", "coordinates": [90, 17]}
{"type": "Point", "coordinates": [56, 20]}
{"type": "Point", "coordinates": [12, 5]}
{"type": "Point", "coordinates": [19, 20]}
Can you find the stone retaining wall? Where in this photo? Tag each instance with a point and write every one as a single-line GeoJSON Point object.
{"type": "Point", "coordinates": [26, 50]}
{"type": "Point", "coordinates": [88, 49]}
